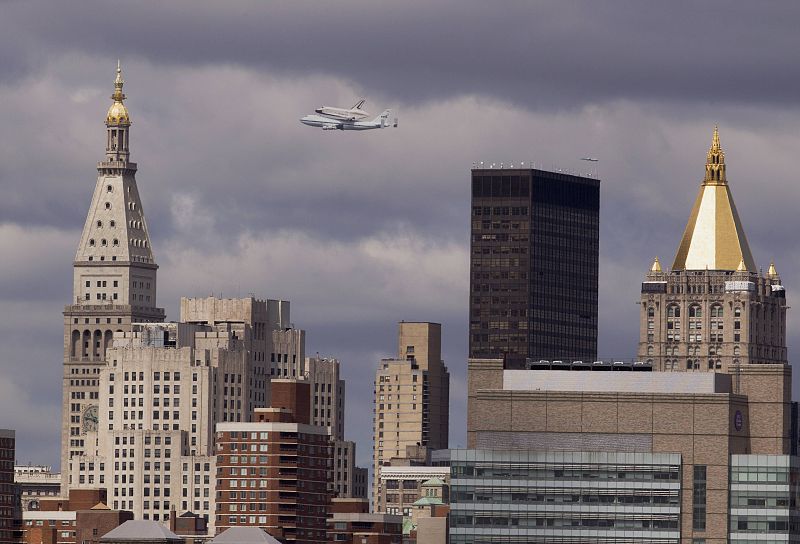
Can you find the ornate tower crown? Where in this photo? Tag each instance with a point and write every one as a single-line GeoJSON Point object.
{"type": "Point", "coordinates": [714, 238]}
{"type": "Point", "coordinates": [715, 162]}
{"type": "Point", "coordinates": [118, 113]}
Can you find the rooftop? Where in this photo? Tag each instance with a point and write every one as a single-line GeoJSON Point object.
{"type": "Point", "coordinates": [617, 382]}
{"type": "Point", "coordinates": [140, 530]}
{"type": "Point", "coordinates": [244, 535]}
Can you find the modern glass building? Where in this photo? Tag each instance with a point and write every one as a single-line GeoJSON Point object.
{"type": "Point", "coordinates": [534, 263]}
{"type": "Point", "coordinates": [604, 497]}
{"type": "Point", "coordinates": [564, 497]}
{"type": "Point", "coordinates": [764, 493]}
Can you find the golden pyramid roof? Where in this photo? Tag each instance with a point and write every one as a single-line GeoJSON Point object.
{"type": "Point", "coordinates": [772, 272]}
{"type": "Point", "coordinates": [714, 238]}
{"type": "Point", "coordinates": [656, 266]}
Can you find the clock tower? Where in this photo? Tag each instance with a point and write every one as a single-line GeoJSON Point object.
{"type": "Point", "coordinates": [114, 284]}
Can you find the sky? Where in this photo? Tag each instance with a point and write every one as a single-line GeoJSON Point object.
{"type": "Point", "coordinates": [362, 230]}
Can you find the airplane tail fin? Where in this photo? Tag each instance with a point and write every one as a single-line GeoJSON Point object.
{"type": "Point", "coordinates": [358, 105]}
{"type": "Point", "coordinates": [382, 118]}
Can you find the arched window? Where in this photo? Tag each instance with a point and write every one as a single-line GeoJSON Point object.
{"type": "Point", "coordinates": [737, 351]}
{"type": "Point", "coordinates": [109, 188]}
{"type": "Point", "coordinates": [99, 224]}
{"type": "Point", "coordinates": [737, 312]}
{"type": "Point", "coordinates": [103, 242]}
{"type": "Point", "coordinates": [695, 323]}
{"type": "Point", "coordinates": [108, 205]}
{"type": "Point", "coordinates": [91, 242]}
{"type": "Point", "coordinates": [673, 323]}
{"type": "Point", "coordinates": [651, 312]}
{"type": "Point", "coordinates": [116, 242]}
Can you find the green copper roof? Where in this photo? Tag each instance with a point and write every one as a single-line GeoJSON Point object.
{"type": "Point", "coordinates": [425, 501]}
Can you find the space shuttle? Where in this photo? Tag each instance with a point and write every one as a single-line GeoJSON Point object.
{"type": "Point", "coordinates": [354, 113]}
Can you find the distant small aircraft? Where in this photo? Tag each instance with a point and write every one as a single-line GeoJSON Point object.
{"type": "Point", "coordinates": [590, 159]}
{"type": "Point", "coordinates": [329, 123]}
{"type": "Point", "coordinates": [354, 113]}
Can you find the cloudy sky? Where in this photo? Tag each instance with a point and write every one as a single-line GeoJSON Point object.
{"type": "Point", "coordinates": [362, 230]}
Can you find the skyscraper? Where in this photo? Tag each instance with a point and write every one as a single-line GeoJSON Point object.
{"type": "Point", "coordinates": [534, 262]}
{"type": "Point", "coordinates": [412, 397]}
{"type": "Point", "coordinates": [114, 282]}
{"type": "Point", "coordinates": [713, 310]}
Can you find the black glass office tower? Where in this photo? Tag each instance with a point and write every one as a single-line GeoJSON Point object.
{"type": "Point", "coordinates": [533, 266]}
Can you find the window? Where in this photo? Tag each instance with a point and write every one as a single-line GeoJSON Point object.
{"type": "Point", "coordinates": [699, 498]}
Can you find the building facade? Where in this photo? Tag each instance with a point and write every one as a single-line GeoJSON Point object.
{"type": "Point", "coordinates": [531, 496]}
{"type": "Point", "coordinates": [696, 416]}
{"type": "Point", "coordinates": [402, 486]}
{"type": "Point", "coordinates": [165, 387]}
{"type": "Point", "coordinates": [34, 483]}
{"type": "Point", "coordinates": [714, 310]}
{"type": "Point", "coordinates": [351, 522]}
{"type": "Point", "coordinates": [114, 282]}
{"type": "Point", "coordinates": [327, 410]}
{"type": "Point", "coordinates": [328, 395]}
{"type": "Point", "coordinates": [533, 265]}
{"type": "Point", "coordinates": [8, 495]}
{"type": "Point", "coordinates": [273, 473]}
{"type": "Point", "coordinates": [412, 398]}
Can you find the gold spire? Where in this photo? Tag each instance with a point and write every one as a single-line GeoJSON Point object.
{"type": "Point", "coordinates": [656, 266]}
{"type": "Point", "coordinates": [715, 161]}
{"type": "Point", "coordinates": [772, 272]}
{"type": "Point", "coordinates": [714, 238]}
{"type": "Point", "coordinates": [118, 113]}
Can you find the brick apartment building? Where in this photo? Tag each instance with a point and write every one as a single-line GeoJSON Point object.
{"type": "Point", "coordinates": [273, 472]}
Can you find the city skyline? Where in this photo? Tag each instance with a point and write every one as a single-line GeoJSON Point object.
{"type": "Point", "coordinates": [221, 183]}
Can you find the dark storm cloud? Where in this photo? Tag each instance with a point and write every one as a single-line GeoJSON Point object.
{"type": "Point", "coordinates": [360, 231]}
{"type": "Point", "coordinates": [535, 54]}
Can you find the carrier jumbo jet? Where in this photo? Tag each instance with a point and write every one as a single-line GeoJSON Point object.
{"type": "Point", "coordinates": [329, 123]}
{"type": "Point", "coordinates": [351, 114]}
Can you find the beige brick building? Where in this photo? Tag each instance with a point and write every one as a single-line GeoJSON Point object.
{"type": "Point", "coordinates": [412, 397]}
{"type": "Point", "coordinates": [714, 310]}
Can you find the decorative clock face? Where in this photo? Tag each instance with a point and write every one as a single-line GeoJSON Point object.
{"type": "Point", "coordinates": [90, 419]}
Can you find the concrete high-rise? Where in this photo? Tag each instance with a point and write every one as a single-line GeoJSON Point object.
{"type": "Point", "coordinates": [412, 397]}
{"type": "Point", "coordinates": [114, 282]}
{"type": "Point", "coordinates": [533, 265]}
{"type": "Point", "coordinates": [327, 410]}
{"type": "Point", "coordinates": [714, 310]}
